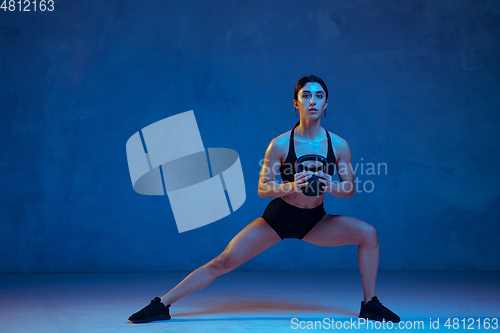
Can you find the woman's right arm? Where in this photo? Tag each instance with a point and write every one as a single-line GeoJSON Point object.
{"type": "Point", "coordinates": [268, 187]}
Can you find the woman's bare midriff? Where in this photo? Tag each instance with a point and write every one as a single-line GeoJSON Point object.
{"type": "Point", "coordinates": [303, 201]}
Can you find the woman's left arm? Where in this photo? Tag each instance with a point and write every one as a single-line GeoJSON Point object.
{"type": "Point", "coordinates": [344, 188]}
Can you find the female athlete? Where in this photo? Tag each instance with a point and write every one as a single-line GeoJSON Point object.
{"type": "Point", "coordinates": [292, 214]}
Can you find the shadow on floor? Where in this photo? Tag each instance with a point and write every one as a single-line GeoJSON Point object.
{"type": "Point", "coordinates": [262, 306]}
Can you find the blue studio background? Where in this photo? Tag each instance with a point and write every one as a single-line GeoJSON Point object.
{"type": "Point", "coordinates": [414, 84]}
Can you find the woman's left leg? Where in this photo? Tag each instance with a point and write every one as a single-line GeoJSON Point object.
{"type": "Point", "coordinates": [336, 230]}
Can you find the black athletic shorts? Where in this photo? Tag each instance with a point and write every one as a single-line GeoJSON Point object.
{"type": "Point", "coordinates": [290, 221]}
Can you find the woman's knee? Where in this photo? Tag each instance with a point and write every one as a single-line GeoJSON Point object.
{"type": "Point", "coordinates": [370, 235]}
{"type": "Point", "coordinates": [222, 264]}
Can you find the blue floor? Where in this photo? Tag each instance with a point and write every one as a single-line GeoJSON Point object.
{"type": "Point", "coordinates": [248, 301]}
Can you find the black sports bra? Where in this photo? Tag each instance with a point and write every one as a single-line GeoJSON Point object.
{"type": "Point", "coordinates": [287, 169]}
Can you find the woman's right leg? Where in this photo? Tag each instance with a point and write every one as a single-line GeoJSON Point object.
{"type": "Point", "coordinates": [252, 240]}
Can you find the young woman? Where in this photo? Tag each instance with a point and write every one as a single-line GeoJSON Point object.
{"type": "Point", "coordinates": [292, 214]}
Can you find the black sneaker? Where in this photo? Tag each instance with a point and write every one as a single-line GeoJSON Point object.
{"type": "Point", "coordinates": [154, 311]}
{"type": "Point", "coordinates": [376, 311]}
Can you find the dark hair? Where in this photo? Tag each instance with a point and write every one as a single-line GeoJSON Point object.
{"type": "Point", "coordinates": [302, 82]}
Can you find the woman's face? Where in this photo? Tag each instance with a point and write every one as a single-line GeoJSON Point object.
{"type": "Point", "coordinates": [311, 100]}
